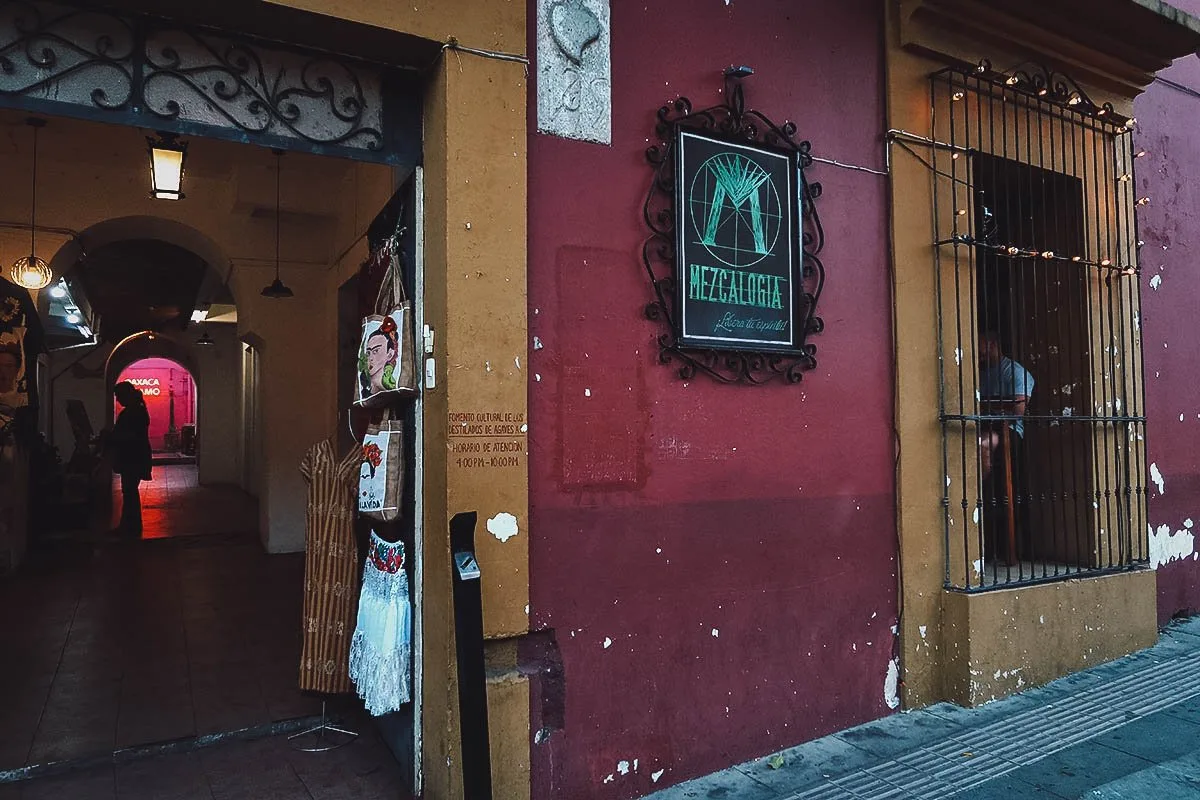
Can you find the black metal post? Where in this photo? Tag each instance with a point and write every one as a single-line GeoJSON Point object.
{"type": "Point", "coordinates": [472, 680]}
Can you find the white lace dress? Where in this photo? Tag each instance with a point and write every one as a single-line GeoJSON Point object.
{"type": "Point", "coordinates": [381, 650]}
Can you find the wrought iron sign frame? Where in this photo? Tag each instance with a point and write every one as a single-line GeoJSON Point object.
{"type": "Point", "coordinates": [317, 103]}
{"type": "Point", "coordinates": [730, 121]}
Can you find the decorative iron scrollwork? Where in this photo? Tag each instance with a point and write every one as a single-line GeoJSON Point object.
{"type": "Point", "coordinates": [66, 54]}
{"type": "Point", "coordinates": [205, 78]}
{"type": "Point", "coordinates": [731, 120]}
{"type": "Point", "coordinates": [161, 76]}
{"type": "Point", "coordinates": [1049, 86]}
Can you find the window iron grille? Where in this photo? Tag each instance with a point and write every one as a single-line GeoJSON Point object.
{"type": "Point", "coordinates": [1038, 318]}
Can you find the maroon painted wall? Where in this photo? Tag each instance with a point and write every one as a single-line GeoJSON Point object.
{"type": "Point", "coordinates": [1169, 131]}
{"type": "Point", "coordinates": [717, 563]}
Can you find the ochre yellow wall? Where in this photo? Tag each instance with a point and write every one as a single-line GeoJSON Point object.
{"type": "Point", "coordinates": [1003, 641]}
{"type": "Point", "coordinates": [953, 645]}
{"type": "Point", "coordinates": [489, 24]}
{"type": "Point", "coordinates": [475, 301]}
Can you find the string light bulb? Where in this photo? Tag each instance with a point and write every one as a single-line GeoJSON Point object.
{"type": "Point", "coordinates": [1143, 201]}
{"type": "Point", "coordinates": [1077, 258]}
{"type": "Point", "coordinates": [1139, 154]}
{"type": "Point", "coordinates": [1141, 243]}
{"type": "Point", "coordinates": [954, 156]}
{"type": "Point", "coordinates": [1012, 251]}
{"type": "Point", "coordinates": [957, 96]}
{"type": "Point", "coordinates": [1106, 262]}
{"type": "Point", "coordinates": [962, 212]}
{"type": "Point", "coordinates": [1131, 123]}
{"type": "Point", "coordinates": [1129, 271]}
{"type": "Point", "coordinates": [1042, 92]}
{"type": "Point", "coordinates": [1012, 80]}
{"type": "Point", "coordinates": [1125, 177]}
{"type": "Point", "coordinates": [1074, 100]}
{"type": "Point", "coordinates": [1047, 254]}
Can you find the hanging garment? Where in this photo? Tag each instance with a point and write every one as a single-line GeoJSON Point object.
{"type": "Point", "coordinates": [21, 340]}
{"type": "Point", "coordinates": [329, 568]}
{"type": "Point", "coordinates": [381, 652]}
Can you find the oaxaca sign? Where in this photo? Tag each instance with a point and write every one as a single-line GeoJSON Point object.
{"type": "Point", "coordinates": [736, 242]}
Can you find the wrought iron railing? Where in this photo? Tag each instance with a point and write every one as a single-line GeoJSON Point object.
{"type": "Point", "coordinates": [1038, 310]}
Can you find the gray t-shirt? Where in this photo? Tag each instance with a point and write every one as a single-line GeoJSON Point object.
{"type": "Point", "coordinates": [1004, 381]}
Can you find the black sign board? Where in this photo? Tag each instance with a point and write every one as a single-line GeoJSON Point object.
{"type": "Point", "coordinates": [737, 211]}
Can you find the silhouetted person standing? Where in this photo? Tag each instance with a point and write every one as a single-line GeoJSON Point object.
{"type": "Point", "coordinates": [128, 445]}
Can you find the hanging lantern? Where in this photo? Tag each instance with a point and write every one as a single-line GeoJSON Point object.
{"type": "Point", "coordinates": [30, 271]}
{"type": "Point", "coordinates": [277, 290]}
{"type": "Point", "coordinates": [167, 156]}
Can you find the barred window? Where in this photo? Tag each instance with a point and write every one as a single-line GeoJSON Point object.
{"type": "Point", "coordinates": [1042, 391]}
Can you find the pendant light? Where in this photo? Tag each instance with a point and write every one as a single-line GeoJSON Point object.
{"type": "Point", "coordinates": [205, 340]}
{"type": "Point", "coordinates": [277, 291]}
{"type": "Point", "coordinates": [30, 271]}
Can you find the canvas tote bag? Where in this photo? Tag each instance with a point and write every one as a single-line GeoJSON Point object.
{"type": "Point", "coordinates": [381, 473]}
{"type": "Point", "coordinates": [386, 356]}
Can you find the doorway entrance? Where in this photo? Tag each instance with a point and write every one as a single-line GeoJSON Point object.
{"type": "Point", "coordinates": [206, 607]}
{"type": "Point", "coordinates": [170, 394]}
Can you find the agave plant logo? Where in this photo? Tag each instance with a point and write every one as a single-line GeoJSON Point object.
{"type": "Point", "coordinates": [735, 209]}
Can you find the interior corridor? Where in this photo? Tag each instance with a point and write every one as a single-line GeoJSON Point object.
{"type": "Point", "coordinates": [193, 631]}
{"type": "Point", "coordinates": [175, 505]}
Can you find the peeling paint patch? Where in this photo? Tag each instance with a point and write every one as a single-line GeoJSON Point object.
{"type": "Point", "coordinates": [654, 776]}
{"type": "Point", "coordinates": [1166, 546]}
{"type": "Point", "coordinates": [977, 565]}
{"type": "Point", "coordinates": [1156, 282]}
{"type": "Point", "coordinates": [923, 629]}
{"type": "Point", "coordinates": [891, 685]}
{"type": "Point", "coordinates": [503, 526]}
{"type": "Point", "coordinates": [1157, 477]}
{"type": "Point", "coordinates": [537, 343]}
{"type": "Point", "coordinates": [715, 633]}
{"type": "Point", "coordinates": [623, 767]}
{"type": "Point", "coordinates": [607, 642]}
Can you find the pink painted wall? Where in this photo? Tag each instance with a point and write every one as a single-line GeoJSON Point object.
{"type": "Point", "coordinates": [717, 564]}
{"type": "Point", "coordinates": [157, 378]}
{"type": "Point", "coordinates": [1169, 173]}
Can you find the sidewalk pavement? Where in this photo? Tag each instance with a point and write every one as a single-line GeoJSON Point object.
{"type": "Point", "coordinates": [1125, 730]}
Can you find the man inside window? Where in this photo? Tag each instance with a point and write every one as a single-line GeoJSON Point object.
{"type": "Point", "coordinates": [1004, 391]}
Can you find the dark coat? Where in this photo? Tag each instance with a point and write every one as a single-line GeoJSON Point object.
{"type": "Point", "coordinates": [129, 443]}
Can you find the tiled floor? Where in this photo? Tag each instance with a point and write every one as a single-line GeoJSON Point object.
{"type": "Point", "coordinates": [113, 643]}
{"type": "Point", "coordinates": [173, 504]}
{"type": "Point", "coordinates": [265, 769]}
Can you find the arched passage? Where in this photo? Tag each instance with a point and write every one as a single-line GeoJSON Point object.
{"type": "Point", "coordinates": [170, 394]}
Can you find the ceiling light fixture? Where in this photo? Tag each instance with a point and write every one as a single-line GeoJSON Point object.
{"type": "Point", "coordinates": [167, 157]}
{"type": "Point", "coordinates": [30, 271]}
{"type": "Point", "coordinates": [277, 291]}
{"type": "Point", "coordinates": [205, 340]}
